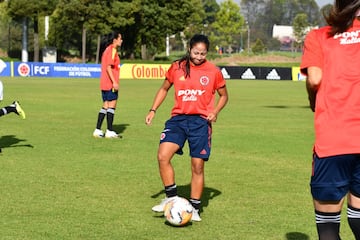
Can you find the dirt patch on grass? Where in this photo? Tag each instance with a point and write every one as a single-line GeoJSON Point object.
{"type": "Point", "coordinates": [239, 59]}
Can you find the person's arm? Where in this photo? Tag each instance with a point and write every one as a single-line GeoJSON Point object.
{"type": "Point", "coordinates": [109, 72]}
{"type": "Point", "coordinates": [223, 99]}
{"type": "Point", "coordinates": [159, 98]}
{"type": "Point", "coordinates": [313, 82]}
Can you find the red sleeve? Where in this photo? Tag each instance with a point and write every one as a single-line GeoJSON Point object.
{"type": "Point", "coordinates": [106, 58]}
{"type": "Point", "coordinates": [312, 55]}
{"type": "Point", "coordinates": [169, 74]}
{"type": "Point", "coordinates": [220, 81]}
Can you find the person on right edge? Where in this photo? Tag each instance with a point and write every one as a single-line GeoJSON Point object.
{"type": "Point", "coordinates": [195, 82]}
{"type": "Point", "coordinates": [331, 61]}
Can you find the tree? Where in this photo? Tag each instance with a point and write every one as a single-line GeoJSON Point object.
{"type": "Point", "coordinates": [158, 19]}
{"type": "Point", "coordinates": [228, 25]}
{"type": "Point", "coordinates": [211, 8]}
{"type": "Point", "coordinates": [301, 27]}
{"type": "Point", "coordinates": [68, 27]}
{"type": "Point", "coordinates": [144, 23]}
{"type": "Point", "coordinates": [252, 9]}
{"type": "Point", "coordinates": [258, 47]}
{"type": "Point", "coordinates": [262, 15]}
{"type": "Point", "coordinates": [5, 41]}
{"type": "Point", "coordinates": [21, 10]}
{"type": "Point", "coordinates": [325, 10]}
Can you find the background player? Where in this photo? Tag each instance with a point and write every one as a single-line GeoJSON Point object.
{"type": "Point", "coordinates": [109, 84]}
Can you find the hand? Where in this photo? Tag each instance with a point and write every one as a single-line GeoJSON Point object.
{"type": "Point", "coordinates": [149, 117]}
{"type": "Point", "coordinates": [212, 117]}
{"type": "Point", "coordinates": [116, 86]}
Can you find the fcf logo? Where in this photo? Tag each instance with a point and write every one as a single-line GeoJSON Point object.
{"type": "Point", "coordinates": [23, 70]}
{"type": "Point", "coordinates": [42, 70]}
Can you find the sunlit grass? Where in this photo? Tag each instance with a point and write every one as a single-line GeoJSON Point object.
{"type": "Point", "coordinates": [57, 182]}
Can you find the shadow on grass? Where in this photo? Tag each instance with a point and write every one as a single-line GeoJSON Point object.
{"type": "Point", "coordinates": [120, 128]}
{"type": "Point", "coordinates": [297, 236]}
{"type": "Point", "coordinates": [283, 106]}
{"type": "Point", "coordinates": [12, 141]}
{"type": "Point", "coordinates": [184, 191]}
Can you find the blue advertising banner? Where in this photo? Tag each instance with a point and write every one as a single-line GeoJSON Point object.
{"type": "Point", "coordinates": [38, 69]}
{"type": "Point", "coordinates": [5, 68]}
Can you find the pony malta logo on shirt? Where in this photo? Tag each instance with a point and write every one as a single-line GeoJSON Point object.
{"type": "Point", "coordinates": [348, 37]}
{"type": "Point", "coordinates": [190, 95]}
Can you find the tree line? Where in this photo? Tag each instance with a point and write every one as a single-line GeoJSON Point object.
{"type": "Point", "coordinates": [76, 26]}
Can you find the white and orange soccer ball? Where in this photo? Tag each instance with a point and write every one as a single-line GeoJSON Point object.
{"type": "Point", "coordinates": [178, 211]}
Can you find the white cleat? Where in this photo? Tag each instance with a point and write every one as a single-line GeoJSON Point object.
{"type": "Point", "coordinates": [160, 207]}
{"type": "Point", "coordinates": [98, 133]}
{"type": "Point", "coordinates": [195, 215]}
{"type": "Point", "coordinates": [111, 134]}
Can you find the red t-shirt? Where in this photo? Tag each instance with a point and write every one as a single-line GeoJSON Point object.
{"type": "Point", "coordinates": [196, 93]}
{"type": "Point", "coordinates": [109, 58]}
{"type": "Point", "coordinates": [337, 113]}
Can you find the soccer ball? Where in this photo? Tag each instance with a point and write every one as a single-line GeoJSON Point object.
{"type": "Point", "coordinates": [178, 211]}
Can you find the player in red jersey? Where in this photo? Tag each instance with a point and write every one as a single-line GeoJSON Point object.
{"type": "Point", "coordinates": [109, 85]}
{"type": "Point", "coordinates": [331, 62]}
{"type": "Point", "coordinates": [195, 82]}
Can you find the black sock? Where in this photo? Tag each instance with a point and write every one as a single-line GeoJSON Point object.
{"type": "Point", "coordinates": [328, 225]}
{"type": "Point", "coordinates": [354, 221]}
{"type": "Point", "coordinates": [110, 118]}
{"type": "Point", "coordinates": [171, 190]}
{"type": "Point", "coordinates": [101, 116]}
{"type": "Point", "coordinates": [3, 111]}
{"type": "Point", "coordinates": [7, 110]}
{"type": "Point", "coordinates": [195, 203]}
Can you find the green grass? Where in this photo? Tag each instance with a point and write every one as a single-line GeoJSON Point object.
{"type": "Point", "coordinates": [57, 182]}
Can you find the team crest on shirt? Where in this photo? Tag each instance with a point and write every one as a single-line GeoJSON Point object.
{"type": "Point", "coordinates": [204, 80]}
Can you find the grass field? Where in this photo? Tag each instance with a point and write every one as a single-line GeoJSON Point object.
{"type": "Point", "coordinates": [58, 182]}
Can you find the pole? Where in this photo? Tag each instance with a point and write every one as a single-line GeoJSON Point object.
{"type": "Point", "coordinates": [167, 45]}
{"type": "Point", "coordinates": [24, 52]}
{"type": "Point", "coordinates": [248, 38]}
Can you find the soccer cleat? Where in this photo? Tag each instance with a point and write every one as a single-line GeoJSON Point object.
{"type": "Point", "coordinates": [195, 215]}
{"type": "Point", "coordinates": [19, 110]}
{"type": "Point", "coordinates": [111, 134]}
{"type": "Point", "coordinates": [160, 207]}
{"type": "Point", "coordinates": [98, 133]}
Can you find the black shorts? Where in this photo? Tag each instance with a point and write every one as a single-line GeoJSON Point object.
{"type": "Point", "coordinates": [109, 95]}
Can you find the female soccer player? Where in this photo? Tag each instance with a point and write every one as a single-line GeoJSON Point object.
{"type": "Point", "coordinates": [331, 62]}
{"type": "Point", "coordinates": [195, 82]}
{"type": "Point", "coordinates": [109, 85]}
